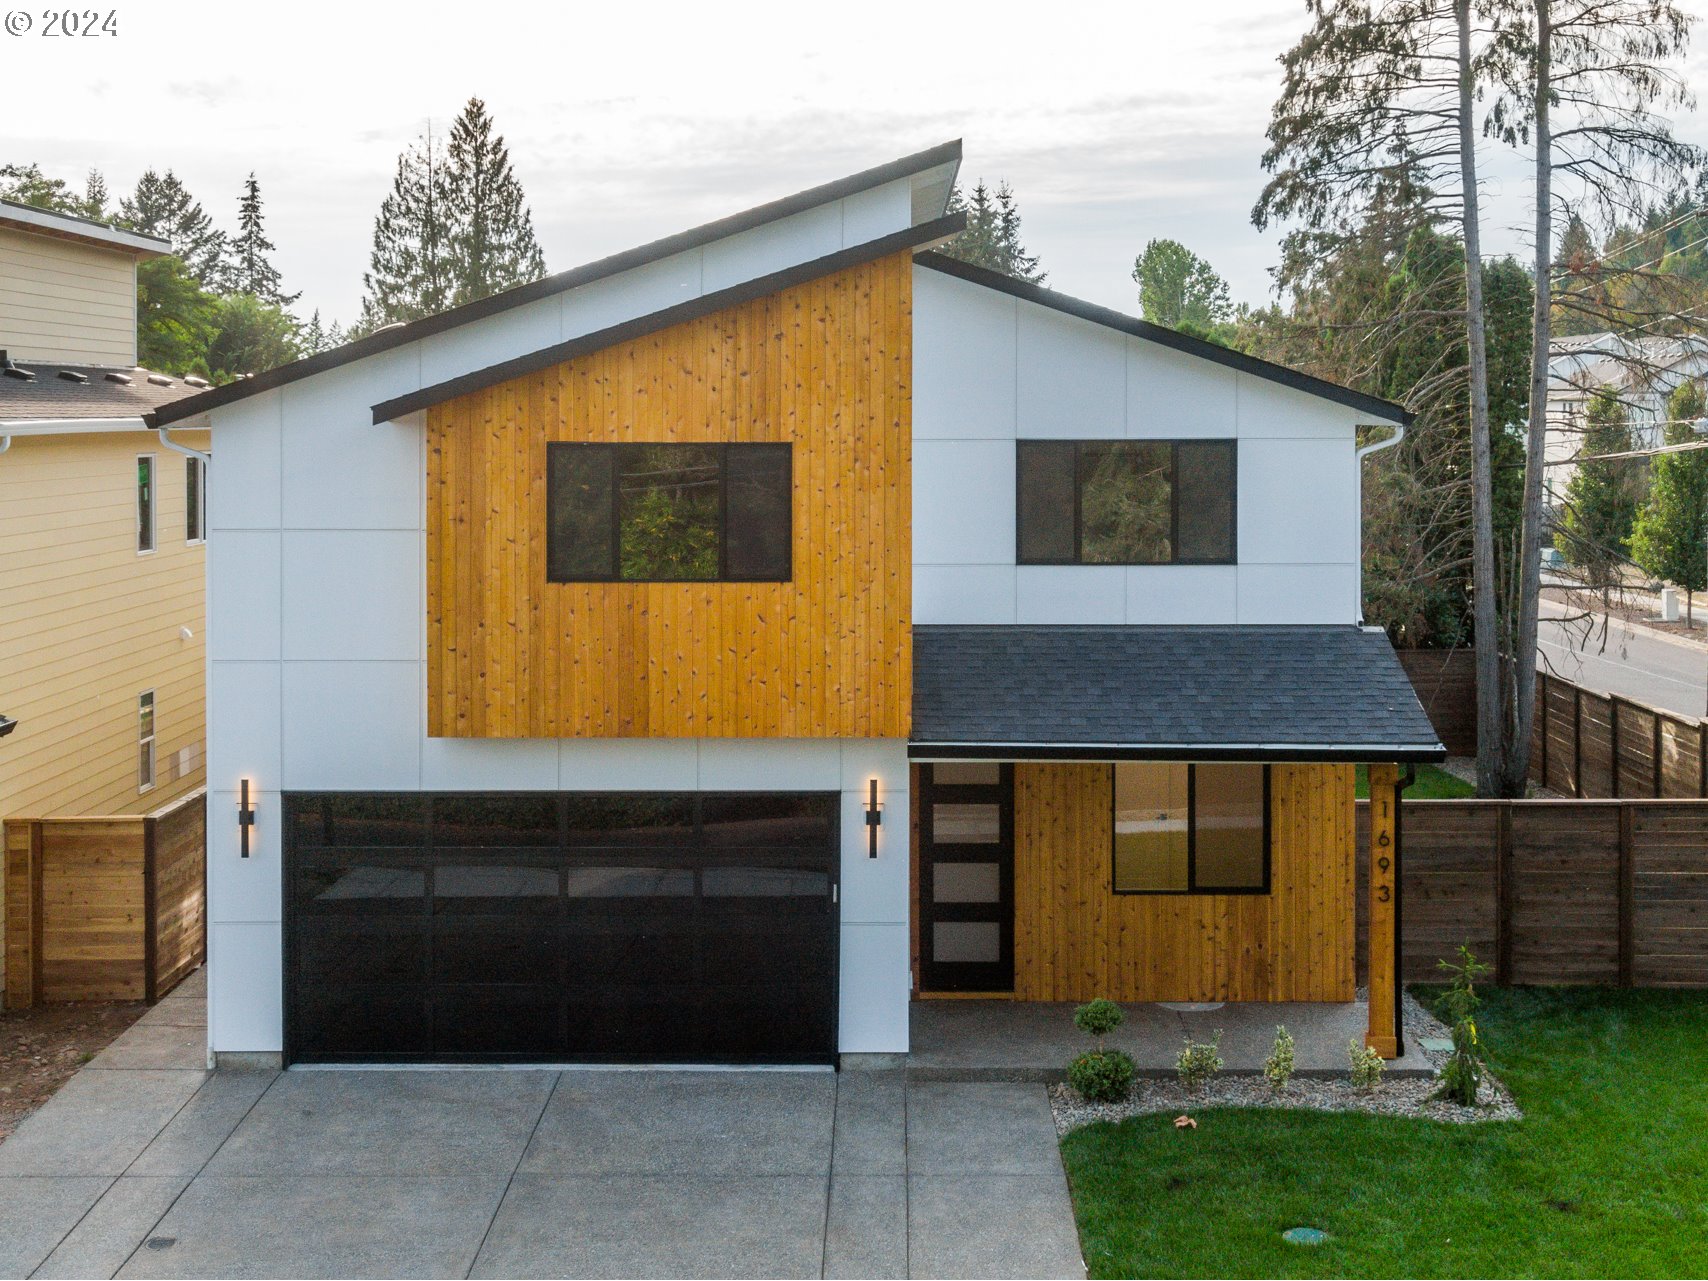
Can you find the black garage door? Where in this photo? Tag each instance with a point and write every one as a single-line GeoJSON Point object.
{"type": "Point", "coordinates": [568, 927]}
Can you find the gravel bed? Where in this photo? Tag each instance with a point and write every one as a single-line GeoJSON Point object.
{"type": "Point", "coordinates": [1398, 1097]}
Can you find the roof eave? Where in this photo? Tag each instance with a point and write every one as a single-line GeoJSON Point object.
{"type": "Point", "coordinates": [1323, 752]}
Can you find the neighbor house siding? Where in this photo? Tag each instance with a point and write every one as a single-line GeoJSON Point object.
{"type": "Point", "coordinates": [825, 366]}
{"type": "Point", "coordinates": [1074, 939]}
{"type": "Point", "coordinates": [61, 300]}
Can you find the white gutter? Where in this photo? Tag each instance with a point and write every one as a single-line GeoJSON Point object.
{"type": "Point", "coordinates": [175, 447]}
{"type": "Point", "coordinates": [1389, 442]}
{"type": "Point", "coordinates": [70, 426]}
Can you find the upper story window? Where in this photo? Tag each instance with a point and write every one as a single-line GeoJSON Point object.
{"type": "Point", "coordinates": [1191, 829]}
{"type": "Point", "coordinates": [668, 513]}
{"type": "Point", "coordinates": [1126, 502]}
{"type": "Point", "coordinates": [145, 740]}
{"type": "Point", "coordinates": [144, 503]}
{"type": "Point", "coordinates": [195, 500]}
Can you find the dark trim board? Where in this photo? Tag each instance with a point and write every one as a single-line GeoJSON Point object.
{"type": "Point", "coordinates": [628, 260]}
{"type": "Point", "coordinates": [1302, 752]}
{"type": "Point", "coordinates": [679, 313]}
{"type": "Point", "coordinates": [1385, 410]}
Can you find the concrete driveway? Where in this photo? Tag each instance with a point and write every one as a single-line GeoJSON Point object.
{"type": "Point", "coordinates": [147, 1166]}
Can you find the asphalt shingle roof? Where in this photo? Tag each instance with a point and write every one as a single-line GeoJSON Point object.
{"type": "Point", "coordinates": [47, 395]}
{"type": "Point", "coordinates": [1272, 690]}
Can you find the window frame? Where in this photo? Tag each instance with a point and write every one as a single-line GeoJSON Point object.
{"type": "Point", "coordinates": [1192, 887]}
{"type": "Point", "coordinates": [153, 526]}
{"type": "Point", "coordinates": [147, 740]}
{"type": "Point", "coordinates": [723, 447]}
{"type": "Point", "coordinates": [1174, 443]}
{"type": "Point", "coordinates": [195, 501]}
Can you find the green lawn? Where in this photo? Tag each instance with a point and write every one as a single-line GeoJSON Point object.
{"type": "Point", "coordinates": [1607, 1175]}
{"type": "Point", "coordinates": [1431, 784]}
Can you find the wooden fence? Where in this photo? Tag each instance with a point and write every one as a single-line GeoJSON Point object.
{"type": "Point", "coordinates": [1446, 685]}
{"type": "Point", "coordinates": [1590, 744]}
{"type": "Point", "coordinates": [1553, 891]}
{"type": "Point", "coordinates": [105, 908]}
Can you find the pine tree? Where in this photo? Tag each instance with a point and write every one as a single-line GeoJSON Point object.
{"type": "Point", "coordinates": [318, 337]}
{"type": "Point", "coordinates": [94, 203]}
{"type": "Point", "coordinates": [992, 236]}
{"type": "Point", "coordinates": [252, 270]}
{"type": "Point", "coordinates": [1670, 539]}
{"type": "Point", "coordinates": [1601, 499]}
{"type": "Point", "coordinates": [162, 207]}
{"type": "Point", "coordinates": [492, 245]}
{"type": "Point", "coordinates": [409, 268]}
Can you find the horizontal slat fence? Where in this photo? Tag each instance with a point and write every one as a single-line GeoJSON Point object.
{"type": "Point", "coordinates": [1608, 892]}
{"type": "Point", "coordinates": [1592, 744]}
{"type": "Point", "coordinates": [1446, 685]}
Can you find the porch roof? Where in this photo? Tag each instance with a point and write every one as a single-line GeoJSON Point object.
{"type": "Point", "coordinates": [1156, 692]}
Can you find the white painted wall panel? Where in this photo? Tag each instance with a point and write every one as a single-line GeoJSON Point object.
{"type": "Point", "coordinates": [1070, 594]}
{"type": "Point", "coordinates": [341, 470]}
{"type": "Point", "coordinates": [639, 292]}
{"type": "Point", "coordinates": [244, 889]}
{"type": "Point", "coordinates": [963, 359]}
{"type": "Point", "coordinates": [489, 764]}
{"type": "Point", "coordinates": [245, 993]}
{"type": "Point", "coordinates": [244, 578]}
{"type": "Point", "coordinates": [1184, 595]}
{"type": "Point", "coordinates": [1171, 394]}
{"type": "Point", "coordinates": [802, 237]}
{"type": "Point", "coordinates": [1270, 409]}
{"type": "Point", "coordinates": [963, 502]}
{"type": "Point", "coordinates": [244, 700]}
{"type": "Point", "coordinates": [963, 594]}
{"type": "Point", "coordinates": [875, 989]}
{"type": "Point", "coordinates": [352, 594]}
{"type": "Point", "coordinates": [882, 211]}
{"type": "Point", "coordinates": [1298, 502]}
{"type": "Point", "coordinates": [352, 726]}
{"type": "Point", "coordinates": [244, 482]}
{"type": "Point", "coordinates": [1072, 380]}
{"type": "Point", "coordinates": [770, 764]}
{"type": "Point", "coordinates": [499, 338]}
{"type": "Point", "coordinates": [875, 889]}
{"type": "Point", "coordinates": [628, 765]}
{"type": "Point", "coordinates": [1298, 593]}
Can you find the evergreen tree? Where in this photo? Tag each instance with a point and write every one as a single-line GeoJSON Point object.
{"type": "Point", "coordinates": [1179, 289]}
{"type": "Point", "coordinates": [95, 198]}
{"type": "Point", "coordinates": [317, 337]}
{"type": "Point", "coordinates": [252, 270]}
{"type": "Point", "coordinates": [161, 206]}
{"type": "Point", "coordinates": [1601, 500]}
{"type": "Point", "coordinates": [492, 245]}
{"type": "Point", "coordinates": [175, 317]}
{"type": "Point", "coordinates": [250, 335]}
{"type": "Point", "coordinates": [28, 185]}
{"type": "Point", "coordinates": [409, 272]}
{"type": "Point", "coordinates": [992, 237]}
{"type": "Point", "coordinates": [1670, 539]}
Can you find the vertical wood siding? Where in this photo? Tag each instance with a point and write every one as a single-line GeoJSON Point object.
{"type": "Point", "coordinates": [827, 366]}
{"type": "Point", "coordinates": [1074, 939]}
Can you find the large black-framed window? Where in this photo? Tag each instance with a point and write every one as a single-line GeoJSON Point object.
{"type": "Point", "coordinates": [1126, 502]}
{"type": "Point", "coordinates": [1180, 828]}
{"type": "Point", "coordinates": [662, 513]}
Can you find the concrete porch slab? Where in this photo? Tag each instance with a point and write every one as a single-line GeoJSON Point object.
{"type": "Point", "coordinates": [1035, 1040]}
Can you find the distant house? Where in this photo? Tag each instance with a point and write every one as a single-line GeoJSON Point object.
{"type": "Point", "coordinates": [701, 654]}
{"type": "Point", "coordinates": [1642, 371]}
{"type": "Point", "coordinates": [101, 535]}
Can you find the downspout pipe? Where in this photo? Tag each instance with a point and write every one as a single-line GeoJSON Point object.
{"type": "Point", "coordinates": [1363, 452]}
{"type": "Point", "coordinates": [165, 434]}
{"type": "Point", "coordinates": [5, 443]}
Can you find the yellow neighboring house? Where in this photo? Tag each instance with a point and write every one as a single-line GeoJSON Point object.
{"type": "Point", "coordinates": [101, 535]}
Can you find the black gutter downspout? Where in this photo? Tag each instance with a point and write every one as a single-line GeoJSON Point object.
{"type": "Point", "coordinates": [1406, 780]}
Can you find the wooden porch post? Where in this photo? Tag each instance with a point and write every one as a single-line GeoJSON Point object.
{"type": "Point", "coordinates": [1383, 1033]}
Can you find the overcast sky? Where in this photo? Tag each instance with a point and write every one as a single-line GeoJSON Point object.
{"type": "Point", "coordinates": [1114, 123]}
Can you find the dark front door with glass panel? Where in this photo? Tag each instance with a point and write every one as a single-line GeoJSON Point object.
{"type": "Point", "coordinates": [966, 877]}
{"type": "Point", "coordinates": [561, 927]}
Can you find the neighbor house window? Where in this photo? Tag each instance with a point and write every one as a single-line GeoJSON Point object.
{"type": "Point", "coordinates": [668, 513]}
{"type": "Point", "coordinates": [195, 500]}
{"type": "Point", "coordinates": [145, 502]}
{"type": "Point", "coordinates": [145, 740]}
{"type": "Point", "coordinates": [1125, 502]}
{"type": "Point", "coordinates": [1191, 829]}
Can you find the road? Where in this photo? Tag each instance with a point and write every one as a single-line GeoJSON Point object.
{"type": "Point", "coordinates": [1637, 662]}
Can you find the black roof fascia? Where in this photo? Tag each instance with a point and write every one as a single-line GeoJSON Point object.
{"type": "Point", "coordinates": [1175, 752]}
{"type": "Point", "coordinates": [1387, 410]}
{"type": "Point", "coordinates": [676, 314]}
{"type": "Point", "coordinates": [628, 260]}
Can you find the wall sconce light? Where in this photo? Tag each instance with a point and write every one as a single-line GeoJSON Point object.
{"type": "Point", "coordinates": [874, 816]}
{"type": "Point", "coordinates": [245, 816]}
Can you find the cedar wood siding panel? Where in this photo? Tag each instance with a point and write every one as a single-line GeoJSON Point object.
{"type": "Point", "coordinates": [1074, 939]}
{"type": "Point", "coordinates": [826, 366]}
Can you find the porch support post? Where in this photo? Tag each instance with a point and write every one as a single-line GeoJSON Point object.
{"type": "Point", "coordinates": [1383, 1035]}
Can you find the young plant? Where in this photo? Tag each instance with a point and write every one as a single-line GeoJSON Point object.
{"type": "Point", "coordinates": [1367, 1065]}
{"type": "Point", "coordinates": [1199, 1061]}
{"type": "Point", "coordinates": [1462, 1073]}
{"type": "Point", "coordinates": [1104, 1076]}
{"type": "Point", "coordinates": [1278, 1067]}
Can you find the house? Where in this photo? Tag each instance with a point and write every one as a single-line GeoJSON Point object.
{"type": "Point", "coordinates": [700, 654]}
{"type": "Point", "coordinates": [1643, 371]}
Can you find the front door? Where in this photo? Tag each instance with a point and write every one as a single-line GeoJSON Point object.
{"type": "Point", "coordinates": [966, 877]}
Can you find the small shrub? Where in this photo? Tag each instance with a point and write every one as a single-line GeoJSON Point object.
{"type": "Point", "coordinates": [1103, 1076]}
{"type": "Point", "coordinates": [1462, 1073]}
{"type": "Point", "coordinates": [1098, 1018]}
{"type": "Point", "coordinates": [1278, 1067]}
{"type": "Point", "coordinates": [1199, 1061]}
{"type": "Point", "coordinates": [1367, 1065]}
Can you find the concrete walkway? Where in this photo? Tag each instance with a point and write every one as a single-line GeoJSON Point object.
{"type": "Point", "coordinates": [147, 1165]}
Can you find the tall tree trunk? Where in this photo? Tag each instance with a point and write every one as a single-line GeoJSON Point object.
{"type": "Point", "coordinates": [1523, 711]}
{"type": "Point", "coordinates": [1490, 737]}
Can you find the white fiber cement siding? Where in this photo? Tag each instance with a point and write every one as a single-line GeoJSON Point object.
{"type": "Point", "coordinates": [316, 640]}
{"type": "Point", "coordinates": [990, 369]}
